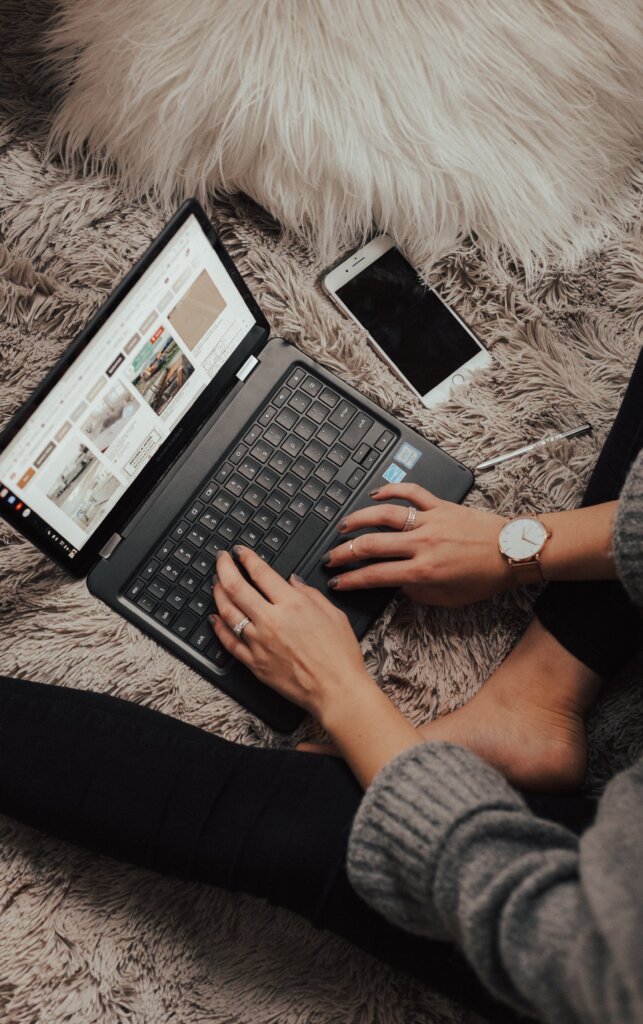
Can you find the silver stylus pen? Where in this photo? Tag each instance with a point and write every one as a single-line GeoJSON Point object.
{"type": "Point", "coordinates": [586, 428]}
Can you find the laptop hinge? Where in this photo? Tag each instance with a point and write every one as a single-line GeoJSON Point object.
{"type": "Point", "coordinates": [111, 546]}
{"type": "Point", "coordinates": [244, 372]}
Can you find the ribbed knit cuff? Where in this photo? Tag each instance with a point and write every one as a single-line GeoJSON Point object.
{"type": "Point", "coordinates": [404, 820]}
{"type": "Point", "coordinates": [627, 536]}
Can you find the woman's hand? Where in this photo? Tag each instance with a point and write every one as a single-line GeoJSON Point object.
{"type": "Point", "coordinates": [296, 641]}
{"type": "Point", "coordinates": [450, 557]}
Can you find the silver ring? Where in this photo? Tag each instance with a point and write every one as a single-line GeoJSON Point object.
{"type": "Point", "coordinates": [352, 551]}
{"type": "Point", "coordinates": [410, 519]}
{"type": "Point", "coordinates": [240, 626]}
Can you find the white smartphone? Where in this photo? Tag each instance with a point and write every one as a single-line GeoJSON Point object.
{"type": "Point", "coordinates": [423, 341]}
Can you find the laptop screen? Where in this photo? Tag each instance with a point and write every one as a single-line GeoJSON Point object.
{"type": "Point", "coordinates": [118, 401]}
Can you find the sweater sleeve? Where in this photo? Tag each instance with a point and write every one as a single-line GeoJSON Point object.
{"type": "Point", "coordinates": [442, 846]}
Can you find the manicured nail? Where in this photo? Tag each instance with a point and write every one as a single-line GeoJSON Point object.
{"type": "Point", "coordinates": [213, 619]}
{"type": "Point", "coordinates": [297, 578]}
{"type": "Point", "coordinates": [217, 555]}
{"type": "Point", "coordinates": [215, 580]}
{"type": "Point", "coordinates": [374, 492]}
{"type": "Point", "coordinates": [343, 523]}
{"type": "Point", "coordinates": [238, 549]}
{"type": "Point", "coordinates": [332, 584]}
{"type": "Point", "coordinates": [325, 559]}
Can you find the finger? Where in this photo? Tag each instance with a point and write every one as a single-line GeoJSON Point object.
{"type": "Point", "coordinates": [265, 579]}
{"type": "Point", "coordinates": [231, 614]}
{"type": "Point", "coordinates": [393, 516]}
{"type": "Point", "coordinates": [370, 545]}
{"type": "Point", "coordinates": [319, 748]}
{"type": "Point", "coordinates": [241, 593]}
{"type": "Point", "coordinates": [233, 644]}
{"type": "Point", "coordinates": [416, 495]}
{"type": "Point", "coordinates": [379, 574]}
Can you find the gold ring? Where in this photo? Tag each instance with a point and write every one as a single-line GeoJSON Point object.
{"type": "Point", "coordinates": [410, 519]}
{"type": "Point", "coordinates": [352, 551]}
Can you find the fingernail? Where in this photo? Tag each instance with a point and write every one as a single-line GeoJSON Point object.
{"type": "Point", "coordinates": [213, 619]}
{"type": "Point", "coordinates": [294, 576]}
{"type": "Point", "coordinates": [375, 491]}
{"type": "Point", "coordinates": [343, 523]}
{"type": "Point", "coordinates": [215, 580]}
{"type": "Point", "coordinates": [238, 549]}
{"type": "Point", "coordinates": [332, 584]}
{"type": "Point", "coordinates": [217, 555]}
{"type": "Point", "coordinates": [325, 559]}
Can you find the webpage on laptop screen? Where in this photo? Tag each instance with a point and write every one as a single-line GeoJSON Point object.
{"type": "Point", "coordinates": [124, 394]}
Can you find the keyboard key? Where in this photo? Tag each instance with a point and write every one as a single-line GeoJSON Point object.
{"type": "Point", "coordinates": [209, 520]}
{"type": "Point", "coordinates": [355, 479]}
{"type": "Point", "coordinates": [200, 638]}
{"type": "Point", "coordinates": [164, 615]}
{"type": "Point", "coordinates": [184, 625]}
{"type": "Point", "coordinates": [264, 519]}
{"type": "Point", "coordinates": [184, 554]}
{"type": "Point", "coordinates": [238, 454]}
{"type": "Point", "coordinates": [338, 493]}
{"type": "Point", "coordinates": [200, 604]}
{"type": "Point", "coordinates": [327, 434]}
{"type": "Point", "coordinates": [254, 495]}
{"type": "Point", "coordinates": [293, 445]}
{"type": "Point", "coordinates": [315, 451]}
{"type": "Point", "coordinates": [280, 462]}
{"type": "Point", "coordinates": [165, 550]}
{"type": "Point", "coordinates": [371, 459]}
{"type": "Point", "coordinates": [267, 415]}
{"type": "Point", "coordinates": [253, 434]}
{"type": "Point", "coordinates": [171, 572]}
{"type": "Point", "coordinates": [326, 509]}
{"type": "Point", "coordinates": [287, 418]}
{"type": "Point", "coordinates": [157, 589]}
{"type": "Point", "coordinates": [317, 412]}
{"type": "Point", "coordinates": [194, 511]}
{"type": "Point", "coordinates": [343, 414]}
{"type": "Point", "coordinates": [179, 530]}
{"type": "Point", "coordinates": [326, 472]}
{"type": "Point", "coordinates": [203, 564]}
{"type": "Point", "coordinates": [361, 453]}
{"type": "Point", "coordinates": [210, 490]}
{"type": "Point", "coordinates": [313, 488]}
{"type": "Point", "coordinates": [305, 428]}
{"type": "Point", "coordinates": [275, 540]}
{"type": "Point", "coordinates": [147, 603]}
{"type": "Point", "coordinates": [384, 440]}
{"type": "Point", "coordinates": [275, 434]}
{"type": "Point", "coordinates": [251, 536]}
{"type": "Point", "coordinates": [299, 402]}
{"type": "Point", "coordinates": [249, 468]}
{"type": "Point", "coordinates": [302, 467]}
{"type": "Point", "coordinates": [176, 598]}
{"type": "Point", "coordinates": [223, 503]}
{"type": "Point", "coordinates": [300, 505]}
{"type": "Point", "coordinates": [329, 398]}
{"type": "Point", "coordinates": [277, 501]}
{"type": "Point", "coordinates": [338, 454]}
{"type": "Point", "coordinates": [265, 554]}
{"type": "Point", "coordinates": [286, 522]}
{"type": "Point", "coordinates": [228, 530]}
{"type": "Point", "coordinates": [262, 451]}
{"type": "Point", "coordinates": [215, 544]}
{"type": "Point", "coordinates": [296, 377]}
{"type": "Point", "coordinates": [241, 512]}
{"type": "Point", "coordinates": [236, 485]}
{"type": "Point", "coordinates": [198, 536]}
{"type": "Point", "coordinates": [358, 429]}
{"type": "Point", "coordinates": [190, 581]}
{"type": "Point", "coordinates": [217, 654]}
{"type": "Point", "coordinates": [223, 473]}
{"type": "Point", "coordinates": [267, 479]}
{"type": "Point", "coordinates": [150, 570]}
{"type": "Point", "coordinates": [312, 386]}
{"type": "Point", "coordinates": [281, 397]}
{"type": "Point", "coordinates": [289, 484]}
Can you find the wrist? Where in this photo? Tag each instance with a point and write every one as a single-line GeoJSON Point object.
{"type": "Point", "coordinates": [580, 547]}
{"type": "Point", "coordinates": [339, 700]}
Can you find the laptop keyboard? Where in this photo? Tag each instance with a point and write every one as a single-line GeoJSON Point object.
{"type": "Point", "coordinates": [276, 490]}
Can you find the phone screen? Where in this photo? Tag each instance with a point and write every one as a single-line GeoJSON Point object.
{"type": "Point", "coordinates": [408, 321]}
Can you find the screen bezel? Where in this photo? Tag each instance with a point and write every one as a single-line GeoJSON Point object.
{"type": "Point", "coordinates": [185, 429]}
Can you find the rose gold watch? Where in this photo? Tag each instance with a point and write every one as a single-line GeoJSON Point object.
{"type": "Point", "coordinates": [521, 542]}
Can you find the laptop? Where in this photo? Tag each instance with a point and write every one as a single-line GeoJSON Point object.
{"type": "Point", "coordinates": [173, 427]}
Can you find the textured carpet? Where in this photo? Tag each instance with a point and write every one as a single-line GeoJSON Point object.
{"type": "Point", "coordinates": [84, 939]}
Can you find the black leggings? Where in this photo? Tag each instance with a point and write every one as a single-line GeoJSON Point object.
{"type": "Point", "coordinates": [148, 789]}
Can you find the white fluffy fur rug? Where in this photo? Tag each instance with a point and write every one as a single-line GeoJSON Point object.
{"type": "Point", "coordinates": [513, 120]}
{"type": "Point", "coordinates": [84, 940]}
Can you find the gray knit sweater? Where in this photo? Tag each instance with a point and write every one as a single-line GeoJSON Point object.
{"type": "Point", "coordinates": [552, 924]}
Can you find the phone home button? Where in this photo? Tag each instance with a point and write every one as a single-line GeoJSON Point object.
{"type": "Point", "coordinates": [457, 378]}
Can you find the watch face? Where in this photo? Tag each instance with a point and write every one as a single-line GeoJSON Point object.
{"type": "Point", "coordinates": [521, 539]}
